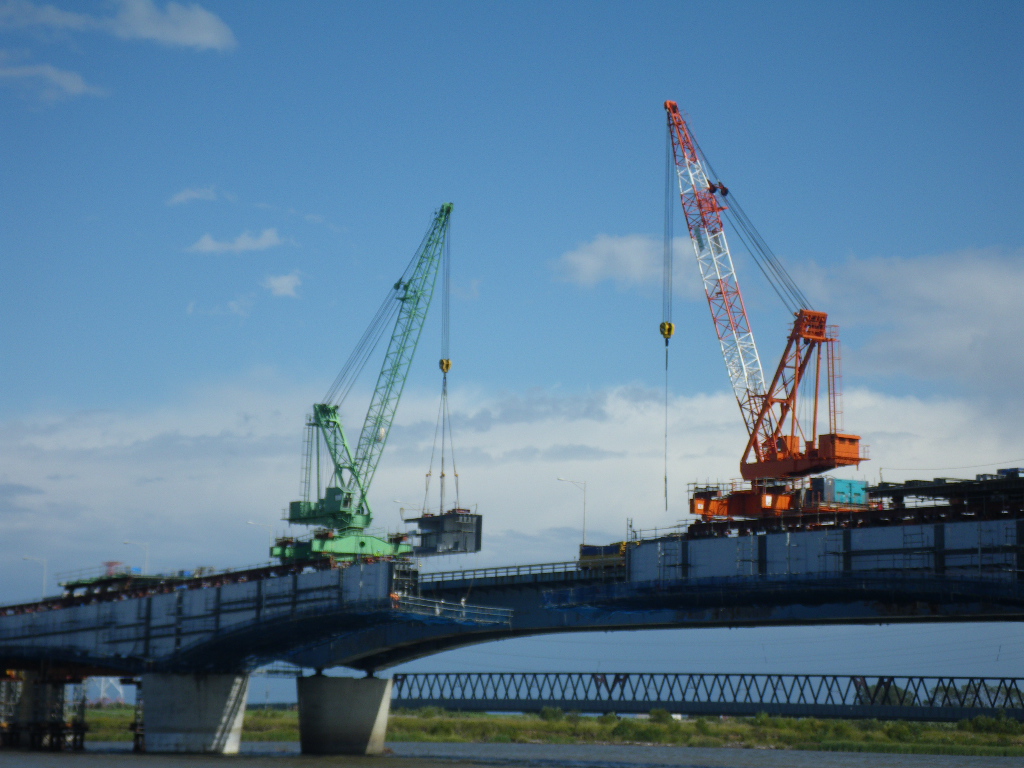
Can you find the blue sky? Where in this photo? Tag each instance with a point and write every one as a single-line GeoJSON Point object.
{"type": "Point", "coordinates": [202, 205]}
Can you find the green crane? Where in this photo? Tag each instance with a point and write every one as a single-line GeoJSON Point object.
{"type": "Point", "coordinates": [340, 507]}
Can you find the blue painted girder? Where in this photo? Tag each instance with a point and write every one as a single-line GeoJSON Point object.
{"type": "Point", "coordinates": [727, 602]}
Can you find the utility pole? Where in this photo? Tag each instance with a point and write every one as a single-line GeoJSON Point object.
{"type": "Point", "coordinates": [145, 546]}
{"type": "Point", "coordinates": [263, 525]}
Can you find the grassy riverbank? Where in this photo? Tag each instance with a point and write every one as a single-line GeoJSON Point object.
{"type": "Point", "coordinates": [981, 736]}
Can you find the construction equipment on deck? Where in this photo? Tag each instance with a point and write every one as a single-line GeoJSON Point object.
{"type": "Point", "coordinates": [335, 499]}
{"type": "Point", "coordinates": [784, 442]}
{"type": "Point", "coordinates": [779, 444]}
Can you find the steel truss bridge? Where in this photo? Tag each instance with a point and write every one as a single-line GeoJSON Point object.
{"type": "Point", "coordinates": [825, 696]}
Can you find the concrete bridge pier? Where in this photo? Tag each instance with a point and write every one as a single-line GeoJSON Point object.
{"type": "Point", "coordinates": [343, 715]}
{"type": "Point", "coordinates": [38, 712]}
{"type": "Point", "coordinates": [194, 713]}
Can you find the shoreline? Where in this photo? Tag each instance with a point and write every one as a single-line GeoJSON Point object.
{"type": "Point", "coordinates": [982, 736]}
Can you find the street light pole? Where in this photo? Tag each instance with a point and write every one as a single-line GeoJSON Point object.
{"type": "Point", "coordinates": [402, 508]}
{"type": "Point", "coordinates": [145, 546]}
{"type": "Point", "coordinates": [582, 484]}
{"type": "Point", "coordinates": [43, 561]}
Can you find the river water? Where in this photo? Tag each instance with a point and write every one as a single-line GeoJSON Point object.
{"type": "Point", "coordinates": [418, 755]}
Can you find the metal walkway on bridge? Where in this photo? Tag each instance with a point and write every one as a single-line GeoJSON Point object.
{"type": "Point", "coordinates": [831, 696]}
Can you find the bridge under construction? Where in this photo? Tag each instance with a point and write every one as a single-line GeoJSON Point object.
{"type": "Point", "coordinates": [779, 548]}
{"type": "Point", "coordinates": [197, 638]}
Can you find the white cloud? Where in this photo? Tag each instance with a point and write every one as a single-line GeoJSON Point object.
{"type": "Point", "coordinates": [190, 25]}
{"type": "Point", "coordinates": [54, 83]}
{"type": "Point", "coordinates": [244, 242]}
{"type": "Point", "coordinates": [946, 319]}
{"type": "Point", "coordinates": [627, 260]}
{"type": "Point", "coordinates": [21, 13]}
{"type": "Point", "coordinates": [187, 475]}
{"type": "Point", "coordinates": [954, 317]}
{"type": "Point", "coordinates": [242, 306]}
{"type": "Point", "coordinates": [193, 193]}
{"type": "Point", "coordinates": [283, 285]}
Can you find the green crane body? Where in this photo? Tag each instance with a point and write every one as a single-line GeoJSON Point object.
{"type": "Point", "coordinates": [342, 512]}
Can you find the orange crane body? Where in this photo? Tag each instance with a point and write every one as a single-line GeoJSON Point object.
{"type": "Point", "coordinates": [779, 446]}
{"type": "Point", "coordinates": [787, 450]}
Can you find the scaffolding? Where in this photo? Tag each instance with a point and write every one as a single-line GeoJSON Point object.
{"type": "Point", "coordinates": [42, 712]}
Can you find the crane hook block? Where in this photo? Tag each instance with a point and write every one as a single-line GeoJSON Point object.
{"type": "Point", "coordinates": [667, 329]}
{"type": "Point", "coordinates": [445, 364]}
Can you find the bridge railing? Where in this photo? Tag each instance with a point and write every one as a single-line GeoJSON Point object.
{"type": "Point", "coordinates": [569, 569]}
{"type": "Point", "coordinates": [459, 611]}
{"type": "Point", "coordinates": [490, 573]}
{"type": "Point", "coordinates": [920, 698]}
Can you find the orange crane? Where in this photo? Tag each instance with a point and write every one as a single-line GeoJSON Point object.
{"type": "Point", "coordinates": [784, 440]}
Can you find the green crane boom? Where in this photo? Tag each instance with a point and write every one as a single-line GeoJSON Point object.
{"type": "Point", "coordinates": [415, 301]}
{"type": "Point", "coordinates": [343, 509]}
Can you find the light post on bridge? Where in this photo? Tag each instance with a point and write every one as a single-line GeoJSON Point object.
{"type": "Point", "coordinates": [263, 525]}
{"type": "Point", "coordinates": [145, 546]}
{"type": "Point", "coordinates": [43, 561]}
{"type": "Point", "coordinates": [581, 484]}
{"type": "Point", "coordinates": [404, 506]}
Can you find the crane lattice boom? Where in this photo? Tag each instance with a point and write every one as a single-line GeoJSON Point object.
{"type": "Point", "coordinates": [343, 504]}
{"type": "Point", "coordinates": [704, 221]}
{"type": "Point", "coordinates": [415, 297]}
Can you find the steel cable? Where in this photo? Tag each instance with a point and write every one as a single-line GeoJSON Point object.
{"type": "Point", "coordinates": [781, 281]}
{"type": "Point", "coordinates": [371, 337]}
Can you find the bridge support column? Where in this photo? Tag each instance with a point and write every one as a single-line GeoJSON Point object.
{"type": "Point", "coordinates": [343, 715]}
{"type": "Point", "coordinates": [194, 713]}
{"type": "Point", "coordinates": [39, 718]}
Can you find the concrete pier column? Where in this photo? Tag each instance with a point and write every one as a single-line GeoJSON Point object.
{"type": "Point", "coordinates": [194, 713]}
{"type": "Point", "coordinates": [40, 721]}
{"type": "Point", "coordinates": [343, 715]}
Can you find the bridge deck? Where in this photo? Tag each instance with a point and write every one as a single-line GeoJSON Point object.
{"type": "Point", "coordinates": [966, 570]}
